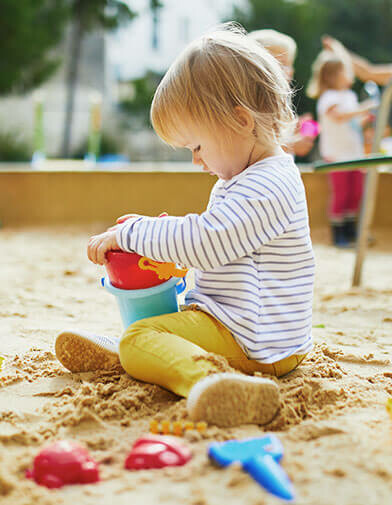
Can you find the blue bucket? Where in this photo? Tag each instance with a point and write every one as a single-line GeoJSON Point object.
{"type": "Point", "coordinates": [136, 304]}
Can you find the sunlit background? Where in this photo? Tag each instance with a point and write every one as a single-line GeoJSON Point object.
{"type": "Point", "coordinates": [59, 58]}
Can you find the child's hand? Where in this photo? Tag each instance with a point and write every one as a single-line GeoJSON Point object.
{"type": "Point", "coordinates": [302, 146]}
{"type": "Point", "coordinates": [331, 44]}
{"type": "Point", "coordinates": [99, 245]}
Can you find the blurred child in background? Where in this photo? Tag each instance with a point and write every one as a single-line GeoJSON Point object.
{"type": "Point", "coordinates": [380, 73]}
{"type": "Point", "coordinates": [341, 118]}
{"type": "Point", "coordinates": [284, 49]}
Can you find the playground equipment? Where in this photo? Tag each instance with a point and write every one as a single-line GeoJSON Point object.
{"type": "Point", "coordinates": [371, 164]}
{"type": "Point", "coordinates": [260, 458]}
{"type": "Point", "coordinates": [156, 451]}
{"type": "Point", "coordinates": [95, 127]}
{"type": "Point", "coordinates": [62, 463]}
{"type": "Point", "coordinates": [39, 136]}
{"type": "Point", "coordinates": [94, 130]}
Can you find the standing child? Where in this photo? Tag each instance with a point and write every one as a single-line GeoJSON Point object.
{"type": "Point", "coordinates": [226, 99]}
{"type": "Point", "coordinates": [341, 138]}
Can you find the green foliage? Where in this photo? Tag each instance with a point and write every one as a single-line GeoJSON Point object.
{"type": "Point", "coordinates": [362, 25]}
{"type": "Point", "coordinates": [106, 14]}
{"type": "Point", "coordinates": [13, 148]}
{"type": "Point", "coordinates": [155, 4]}
{"type": "Point", "coordinates": [138, 105]}
{"type": "Point", "coordinates": [29, 30]}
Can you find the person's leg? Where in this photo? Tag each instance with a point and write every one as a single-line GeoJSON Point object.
{"type": "Point", "coordinates": [172, 351]}
{"type": "Point", "coordinates": [356, 183]}
{"type": "Point", "coordinates": [81, 351]}
{"type": "Point", "coordinates": [338, 182]}
{"type": "Point", "coordinates": [177, 345]}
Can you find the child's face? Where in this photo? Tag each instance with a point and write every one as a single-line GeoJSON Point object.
{"type": "Point", "coordinates": [284, 59]}
{"type": "Point", "coordinates": [343, 79]}
{"type": "Point", "coordinates": [224, 159]}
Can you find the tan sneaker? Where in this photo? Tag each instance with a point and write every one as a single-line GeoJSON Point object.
{"type": "Point", "coordinates": [230, 399]}
{"type": "Point", "coordinates": [83, 352]}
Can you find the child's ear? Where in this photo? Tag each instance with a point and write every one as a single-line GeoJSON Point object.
{"type": "Point", "coordinates": [245, 118]}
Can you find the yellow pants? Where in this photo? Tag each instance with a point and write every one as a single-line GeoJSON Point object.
{"type": "Point", "coordinates": [169, 350]}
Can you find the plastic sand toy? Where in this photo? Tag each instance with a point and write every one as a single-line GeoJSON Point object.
{"type": "Point", "coordinates": [259, 457]}
{"type": "Point", "coordinates": [1, 361]}
{"type": "Point", "coordinates": [136, 304]}
{"type": "Point", "coordinates": [132, 271]}
{"type": "Point", "coordinates": [156, 451]}
{"type": "Point", "coordinates": [63, 463]}
{"type": "Point", "coordinates": [177, 428]}
{"type": "Point", "coordinates": [142, 287]}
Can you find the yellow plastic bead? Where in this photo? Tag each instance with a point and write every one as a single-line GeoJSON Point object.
{"type": "Point", "coordinates": [189, 426]}
{"type": "Point", "coordinates": [165, 427]}
{"type": "Point", "coordinates": [177, 428]}
{"type": "Point", "coordinates": [154, 426]}
{"type": "Point", "coordinates": [202, 426]}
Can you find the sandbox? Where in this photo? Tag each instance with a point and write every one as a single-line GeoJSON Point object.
{"type": "Point", "coordinates": [333, 423]}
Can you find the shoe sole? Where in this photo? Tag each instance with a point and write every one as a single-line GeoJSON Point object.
{"type": "Point", "coordinates": [78, 354]}
{"type": "Point", "coordinates": [233, 399]}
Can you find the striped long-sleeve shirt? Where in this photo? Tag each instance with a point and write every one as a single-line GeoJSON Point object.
{"type": "Point", "coordinates": [252, 253]}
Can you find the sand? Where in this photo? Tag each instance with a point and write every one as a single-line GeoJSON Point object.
{"type": "Point", "coordinates": [333, 422]}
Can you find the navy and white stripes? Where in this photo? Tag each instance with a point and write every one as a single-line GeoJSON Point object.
{"type": "Point", "coordinates": [252, 253]}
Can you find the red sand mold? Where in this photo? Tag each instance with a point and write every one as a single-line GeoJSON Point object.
{"type": "Point", "coordinates": [62, 463]}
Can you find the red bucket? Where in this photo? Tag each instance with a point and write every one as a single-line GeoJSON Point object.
{"type": "Point", "coordinates": [125, 273]}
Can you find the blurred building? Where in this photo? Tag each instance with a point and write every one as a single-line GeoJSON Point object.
{"type": "Point", "coordinates": [150, 42]}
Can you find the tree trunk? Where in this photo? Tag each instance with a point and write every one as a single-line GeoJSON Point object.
{"type": "Point", "coordinates": [71, 83]}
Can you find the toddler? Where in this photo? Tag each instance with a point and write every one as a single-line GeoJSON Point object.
{"type": "Point", "coordinates": [339, 114]}
{"type": "Point", "coordinates": [227, 100]}
{"type": "Point", "coordinates": [284, 49]}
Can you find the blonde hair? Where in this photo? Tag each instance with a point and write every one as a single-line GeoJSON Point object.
{"type": "Point", "coordinates": [272, 39]}
{"type": "Point", "coordinates": [324, 70]}
{"type": "Point", "coordinates": [213, 75]}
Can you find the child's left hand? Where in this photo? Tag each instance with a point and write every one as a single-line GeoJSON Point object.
{"type": "Point", "coordinates": [99, 245]}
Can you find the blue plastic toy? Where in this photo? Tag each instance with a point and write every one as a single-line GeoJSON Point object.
{"type": "Point", "coordinates": [136, 304]}
{"type": "Point", "coordinates": [259, 457]}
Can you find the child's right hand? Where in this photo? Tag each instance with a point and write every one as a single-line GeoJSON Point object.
{"type": "Point", "coordinates": [99, 245]}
